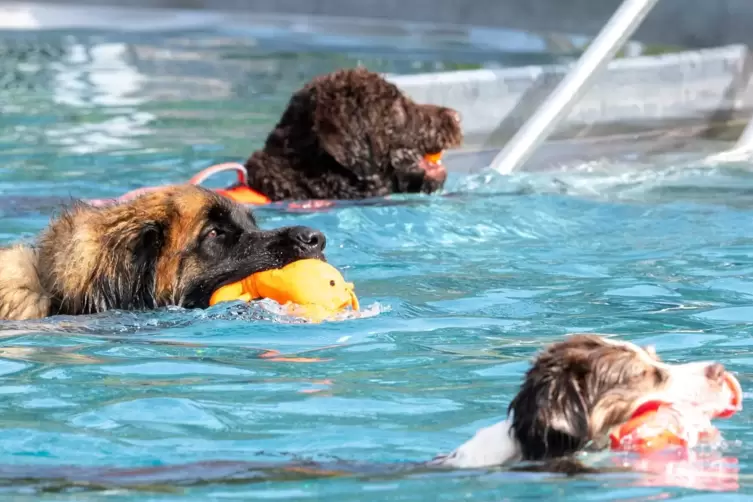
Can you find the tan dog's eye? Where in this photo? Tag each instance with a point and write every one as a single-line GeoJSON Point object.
{"type": "Point", "coordinates": [332, 283]}
{"type": "Point", "coordinates": [212, 234]}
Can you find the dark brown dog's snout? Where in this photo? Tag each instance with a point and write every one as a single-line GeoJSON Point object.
{"type": "Point", "coordinates": [715, 372]}
{"type": "Point", "coordinates": [310, 240]}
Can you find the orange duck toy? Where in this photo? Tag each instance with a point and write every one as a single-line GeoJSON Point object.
{"type": "Point", "coordinates": [309, 288]}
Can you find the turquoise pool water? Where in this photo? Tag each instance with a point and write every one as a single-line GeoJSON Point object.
{"type": "Point", "coordinates": [464, 288]}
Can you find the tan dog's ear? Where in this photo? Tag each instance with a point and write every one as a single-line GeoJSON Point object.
{"type": "Point", "coordinates": [127, 275]}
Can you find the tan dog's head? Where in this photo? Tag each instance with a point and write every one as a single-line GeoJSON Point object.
{"type": "Point", "coordinates": [170, 247]}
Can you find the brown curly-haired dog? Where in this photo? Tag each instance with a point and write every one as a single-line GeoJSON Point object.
{"type": "Point", "coordinates": [351, 134]}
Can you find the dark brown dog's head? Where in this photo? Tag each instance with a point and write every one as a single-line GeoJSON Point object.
{"type": "Point", "coordinates": [351, 134]}
{"type": "Point", "coordinates": [580, 388]}
{"type": "Point", "coordinates": [170, 247]}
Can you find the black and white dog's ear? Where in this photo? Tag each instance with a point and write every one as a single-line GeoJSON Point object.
{"type": "Point", "coordinates": [549, 416]}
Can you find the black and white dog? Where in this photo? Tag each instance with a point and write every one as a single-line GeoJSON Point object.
{"type": "Point", "coordinates": [575, 392]}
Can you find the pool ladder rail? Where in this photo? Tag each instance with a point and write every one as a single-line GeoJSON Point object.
{"type": "Point", "coordinates": [612, 37]}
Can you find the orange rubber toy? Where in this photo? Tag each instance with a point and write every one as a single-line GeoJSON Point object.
{"type": "Point", "coordinates": [309, 288]}
{"type": "Point", "coordinates": [657, 424]}
{"type": "Point", "coordinates": [434, 158]}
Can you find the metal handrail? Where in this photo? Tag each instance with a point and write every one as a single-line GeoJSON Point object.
{"type": "Point", "coordinates": [578, 80]}
{"type": "Point", "coordinates": [745, 141]}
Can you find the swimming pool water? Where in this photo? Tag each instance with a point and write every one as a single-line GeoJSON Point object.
{"type": "Point", "coordinates": [466, 288]}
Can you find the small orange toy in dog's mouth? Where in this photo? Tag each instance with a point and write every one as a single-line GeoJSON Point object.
{"type": "Point", "coordinates": [308, 288]}
{"type": "Point", "coordinates": [433, 158]}
{"type": "Point", "coordinates": [657, 424]}
{"type": "Point", "coordinates": [432, 164]}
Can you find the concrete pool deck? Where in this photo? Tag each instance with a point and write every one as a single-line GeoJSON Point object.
{"type": "Point", "coordinates": [691, 94]}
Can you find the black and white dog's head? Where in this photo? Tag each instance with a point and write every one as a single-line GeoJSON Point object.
{"type": "Point", "coordinates": [575, 392]}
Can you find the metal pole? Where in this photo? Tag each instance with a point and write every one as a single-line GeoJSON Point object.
{"type": "Point", "coordinates": [745, 141]}
{"type": "Point", "coordinates": [558, 104]}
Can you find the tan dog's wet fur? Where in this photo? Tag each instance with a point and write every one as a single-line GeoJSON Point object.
{"type": "Point", "coordinates": [171, 247]}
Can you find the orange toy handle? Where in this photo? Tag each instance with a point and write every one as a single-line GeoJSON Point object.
{"type": "Point", "coordinates": [240, 193]}
{"type": "Point", "coordinates": [210, 171]}
{"type": "Point", "coordinates": [245, 195]}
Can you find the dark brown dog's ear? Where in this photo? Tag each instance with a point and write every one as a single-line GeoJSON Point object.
{"type": "Point", "coordinates": [355, 128]}
{"type": "Point", "coordinates": [337, 127]}
{"type": "Point", "coordinates": [549, 416]}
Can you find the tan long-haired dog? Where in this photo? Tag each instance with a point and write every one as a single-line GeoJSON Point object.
{"type": "Point", "coordinates": [171, 247]}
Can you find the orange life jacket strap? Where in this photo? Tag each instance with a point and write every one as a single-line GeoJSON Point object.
{"type": "Point", "coordinates": [240, 193]}
{"type": "Point", "coordinates": [245, 195]}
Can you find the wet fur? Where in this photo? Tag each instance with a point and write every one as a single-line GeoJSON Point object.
{"type": "Point", "coordinates": [150, 252]}
{"type": "Point", "coordinates": [350, 134]}
{"type": "Point", "coordinates": [576, 391]}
